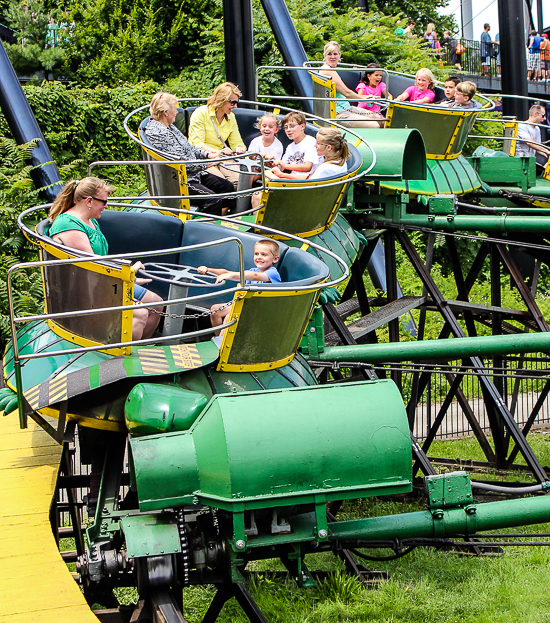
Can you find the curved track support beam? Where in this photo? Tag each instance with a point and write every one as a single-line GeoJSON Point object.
{"type": "Point", "coordinates": [291, 47]}
{"type": "Point", "coordinates": [23, 126]}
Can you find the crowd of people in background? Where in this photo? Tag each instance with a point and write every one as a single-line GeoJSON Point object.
{"type": "Point", "coordinates": [537, 48]}
{"type": "Point", "coordinates": [538, 57]}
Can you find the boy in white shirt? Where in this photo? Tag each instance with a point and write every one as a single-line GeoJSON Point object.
{"type": "Point", "coordinates": [301, 155]}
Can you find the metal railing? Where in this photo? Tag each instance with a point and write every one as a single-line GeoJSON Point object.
{"type": "Point", "coordinates": [523, 379]}
{"type": "Point", "coordinates": [470, 60]}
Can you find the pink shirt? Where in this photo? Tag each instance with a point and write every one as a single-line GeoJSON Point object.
{"type": "Point", "coordinates": [377, 91]}
{"type": "Point", "coordinates": [416, 94]}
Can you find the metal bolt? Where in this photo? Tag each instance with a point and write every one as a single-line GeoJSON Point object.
{"type": "Point", "coordinates": [240, 544]}
{"type": "Point", "coordinates": [312, 330]}
{"type": "Point", "coordinates": [322, 534]}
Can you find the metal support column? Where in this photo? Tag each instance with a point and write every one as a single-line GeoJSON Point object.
{"type": "Point", "coordinates": [24, 128]}
{"type": "Point", "coordinates": [391, 286]}
{"type": "Point", "coordinates": [467, 19]}
{"type": "Point", "coordinates": [239, 46]}
{"type": "Point", "coordinates": [540, 23]}
{"type": "Point", "coordinates": [512, 54]}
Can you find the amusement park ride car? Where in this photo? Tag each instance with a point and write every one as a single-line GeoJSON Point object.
{"type": "Point", "coordinates": [208, 454]}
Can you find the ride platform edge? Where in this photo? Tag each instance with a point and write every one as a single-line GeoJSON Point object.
{"type": "Point", "coordinates": [35, 583]}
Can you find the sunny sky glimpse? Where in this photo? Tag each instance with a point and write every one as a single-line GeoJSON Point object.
{"type": "Point", "coordinates": [487, 11]}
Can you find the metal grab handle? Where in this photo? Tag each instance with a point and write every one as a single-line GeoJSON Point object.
{"type": "Point", "coordinates": [176, 273]}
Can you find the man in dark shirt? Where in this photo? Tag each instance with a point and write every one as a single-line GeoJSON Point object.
{"type": "Point", "coordinates": [485, 50]}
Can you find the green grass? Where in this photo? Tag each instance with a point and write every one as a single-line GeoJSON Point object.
{"type": "Point", "coordinates": [426, 586]}
{"type": "Point", "coordinates": [468, 447]}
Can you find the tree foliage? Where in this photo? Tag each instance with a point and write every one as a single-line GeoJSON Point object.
{"type": "Point", "coordinates": [83, 125]}
{"type": "Point", "coordinates": [31, 54]}
{"type": "Point", "coordinates": [421, 11]}
{"type": "Point", "coordinates": [17, 192]}
{"type": "Point", "coordinates": [112, 40]}
{"type": "Point", "coordinates": [364, 37]}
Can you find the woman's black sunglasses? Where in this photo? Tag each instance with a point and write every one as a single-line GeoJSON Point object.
{"type": "Point", "coordinates": [103, 201]}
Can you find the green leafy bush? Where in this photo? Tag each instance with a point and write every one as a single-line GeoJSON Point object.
{"type": "Point", "coordinates": [86, 124]}
{"type": "Point", "coordinates": [17, 191]}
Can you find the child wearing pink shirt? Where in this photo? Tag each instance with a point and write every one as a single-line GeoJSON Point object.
{"type": "Point", "coordinates": [421, 92]}
{"type": "Point", "coordinates": [372, 87]}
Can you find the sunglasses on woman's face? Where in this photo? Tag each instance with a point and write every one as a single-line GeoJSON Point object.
{"type": "Point", "coordinates": [233, 102]}
{"type": "Point", "coordinates": [103, 201]}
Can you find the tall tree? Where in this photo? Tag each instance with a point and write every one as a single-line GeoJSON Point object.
{"type": "Point", "coordinates": [32, 52]}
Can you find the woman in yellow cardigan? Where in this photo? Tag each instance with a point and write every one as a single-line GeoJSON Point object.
{"type": "Point", "coordinates": [214, 127]}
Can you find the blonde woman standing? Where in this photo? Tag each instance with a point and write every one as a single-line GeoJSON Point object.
{"type": "Point", "coordinates": [430, 36]}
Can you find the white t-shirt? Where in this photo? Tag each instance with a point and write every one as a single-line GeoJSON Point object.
{"type": "Point", "coordinates": [328, 169]}
{"type": "Point", "coordinates": [276, 148]}
{"type": "Point", "coordinates": [531, 133]}
{"type": "Point", "coordinates": [304, 151]}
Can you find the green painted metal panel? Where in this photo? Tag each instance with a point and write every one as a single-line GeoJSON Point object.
{"type": "Point", "coordinates": [41, 384]}
{"type": "Point", "coordinates": [37, 370]}
{"type": "Point", "coordinates": [270, 328]}
{"type": "Point", "coordinates": [154, 408]}
{"type": "Point", "coordinates": [437, 128]}
{"type": "Point", "coordinates": [519, 172]}
{"type": "Point", "coordinates": [165, 470]}
{"type": "Point", "coordinates": [456, 176]}
{"type": "Point", "coordinates": [462, 134]}
{"type": "Point", "coordinates": [150, 535]}
{"type": "Point", "coordinates": [400, 154]}
{"type": "Point", "coordinates": [344, 243]}
{"type": "Point", "coordinates": [295, 374]}
{"type": "Point", "coordinates": [276, 447]}
{"type": "Point", "coordinates": [447, 490]}
{"type": "Point", "coordinates": [296, 211]}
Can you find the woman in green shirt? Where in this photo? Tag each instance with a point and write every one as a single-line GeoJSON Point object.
{"type": "Point", "coordinates": [74, 215]}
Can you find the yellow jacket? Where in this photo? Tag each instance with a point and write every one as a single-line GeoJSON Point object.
{"type": "Point", "coordinates": [202, 132]}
